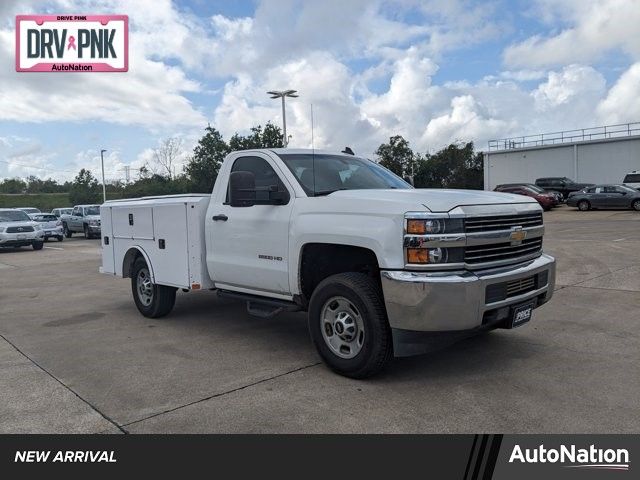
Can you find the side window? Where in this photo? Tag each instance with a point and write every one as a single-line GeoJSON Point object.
{"type": "Point", "coordinates": [265, 175]}
{"type": "Point", "coordinates": [599, 190]}
{"type": "Point", "coordinates": [591, 190]}
{"type": "Point", "coordinates": [75, 211]}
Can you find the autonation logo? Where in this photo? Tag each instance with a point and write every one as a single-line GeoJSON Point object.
{"type": "Point", "coordinates": [574, 457]}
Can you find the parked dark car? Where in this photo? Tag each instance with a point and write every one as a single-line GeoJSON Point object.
{"type": "Point", "coordinates": [535, 188]}
{"type": "Point", "coordinates": [546, 200]}
{"type": "Point", "coordinates": [563, 185]}
{"type": "Point", "coordinates": [605, 196]}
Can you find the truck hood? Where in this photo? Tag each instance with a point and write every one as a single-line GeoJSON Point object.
{"type": "Point", "coordinates": [21, 223]}
{"type": "Point", "coordinates": [434, 199]}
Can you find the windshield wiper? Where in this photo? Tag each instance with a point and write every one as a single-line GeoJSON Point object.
{"type": "Point", "coordinates": [326, 192]}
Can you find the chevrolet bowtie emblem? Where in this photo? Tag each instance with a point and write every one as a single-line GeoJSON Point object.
{"type": "Point", "coordinates": [517, 235]}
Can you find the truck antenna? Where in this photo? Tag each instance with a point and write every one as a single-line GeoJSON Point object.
{"type": "Point", "coordinates": [313, 154]}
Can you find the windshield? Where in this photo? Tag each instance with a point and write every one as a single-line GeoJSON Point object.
{"type": "Point", "coordinates": [30, 210]}
{"type": "Point", "coordinates": [326, 174]}
{"type": "Point", "coordinates": [14, 216]}
{"type": "Point", "coordinates": [535, 188]}
{"type": "Point", "coordinates": [626, 188]}
{"type": "Point", "coordinates": [45, 218]}
{"type": "Point", "coordinates": [93, 210]}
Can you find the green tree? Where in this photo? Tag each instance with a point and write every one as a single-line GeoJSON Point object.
{"type": "Point", "coordinates": [270, 137]}
{"type": "Point", "coordinates": [13, 185]}
{"type": "Point", "coordinates": [84, 189]}
{"type": "Point", "coordinates": [456, 166]}
{"type": "Point", "coordinates": [397, 156]}
{"type": "Point", "coordinates": [203, 167]}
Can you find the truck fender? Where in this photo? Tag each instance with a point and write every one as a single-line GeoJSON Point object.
{"type": "Point", "coordinates": [130, 257]}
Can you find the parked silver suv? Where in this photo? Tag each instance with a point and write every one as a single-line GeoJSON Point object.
{"type": "Point", "coordinates": [18, 230]}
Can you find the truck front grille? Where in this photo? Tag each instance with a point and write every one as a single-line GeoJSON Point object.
{"type": "Point", "coordinates": [497, 252]}
{"type": "Point", "coordinates": [501, 222]}
{"type": "Point", "coordinates": [19, 229]}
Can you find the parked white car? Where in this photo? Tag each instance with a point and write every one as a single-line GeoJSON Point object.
{"type": "Point", "coordinates": [382, 269]}
{"type": "Point", "coordinates": [28, 210]}
{"type": "Point", "coordinates": [632, 179]}
{"type": "Point", "coordinates": [50, 225]}
{"type": "Point", "coordinates": [18, 230]}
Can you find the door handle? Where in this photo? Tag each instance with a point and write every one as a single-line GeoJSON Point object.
{"type": "Point", "coordinates": [222, 217]}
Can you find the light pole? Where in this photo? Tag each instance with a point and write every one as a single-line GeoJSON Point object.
{"type": "Point", "coordinates": [281, 94]}
{"type": "Point", "coordinates": [104, 188]}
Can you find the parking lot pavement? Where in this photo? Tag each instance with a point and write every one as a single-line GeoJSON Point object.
{"type": "Point", "coordinates": [76, 356]}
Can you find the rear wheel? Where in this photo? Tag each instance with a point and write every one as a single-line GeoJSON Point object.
{"type": "Point", "coordinates": [348, 325]}
{"type": "Point", "coordinates": [636, 205]}
{"type": "Point", "coordinates": [584, 205]}
{"type": "Point", "coordinates": [152, 300]}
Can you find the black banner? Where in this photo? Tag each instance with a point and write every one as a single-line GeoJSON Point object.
{"type": "Point", "coordinates": [466, 457]}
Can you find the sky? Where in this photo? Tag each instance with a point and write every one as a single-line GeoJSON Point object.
{"type": "Point", "coordinates": [433, 71]}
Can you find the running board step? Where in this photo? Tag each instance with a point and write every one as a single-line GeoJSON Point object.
{"type": "Point", "coordinates": [261, 306]}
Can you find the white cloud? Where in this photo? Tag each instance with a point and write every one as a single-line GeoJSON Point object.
{"type": "Point", "coordinates": [596, 28]}
{"type": "Point", "coordinates": [622, 103]}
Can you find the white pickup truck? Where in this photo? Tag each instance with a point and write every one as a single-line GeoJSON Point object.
{"type": "Point", "coordinates": [382, 269]}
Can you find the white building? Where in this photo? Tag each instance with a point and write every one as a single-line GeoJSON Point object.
{"type": "Point", "coordinates": [592, 155]}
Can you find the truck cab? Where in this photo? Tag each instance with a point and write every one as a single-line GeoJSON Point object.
{"type": "Point", "coordinates": [381, 268]}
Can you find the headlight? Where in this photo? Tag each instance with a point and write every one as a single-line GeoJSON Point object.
{"type": "Point", "coordinates": [433, 226]}
{"type": "Point", "coordinates": [1, 229]}
{"type": "Point", "coordinates": [37, 227]}
{"type": "Point", "coordinates": [427, 255]}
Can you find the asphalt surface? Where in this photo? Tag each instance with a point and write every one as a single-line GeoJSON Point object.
{"type": "Point", "coordinates": [77, 357]}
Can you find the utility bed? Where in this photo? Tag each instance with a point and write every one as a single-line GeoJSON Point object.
{"type": "Point", "coordinates": [167, 230]}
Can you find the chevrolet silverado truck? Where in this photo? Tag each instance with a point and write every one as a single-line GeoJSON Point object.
{"type": "Point", "coordinates": [82, 219]}
{"type": "Point", "coordinates": [382, 269]}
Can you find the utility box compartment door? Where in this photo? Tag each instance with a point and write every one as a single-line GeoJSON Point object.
{"type": "Point", "coordinates": [108, 265]}
{"type": "Point", "coordinates": [170, 252]}
{"type": "Point", "coordinates": [133, 222]}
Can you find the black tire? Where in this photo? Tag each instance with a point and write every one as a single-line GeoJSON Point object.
{"type": "Point", "coordinates": [635, 205]}
{"type": "Point", "coordinates": [365, 296]}
{"type": "Point", "coordinates": [38, 245]}
{"type": "Point", "coordinates": [67, 233]}
{"type": "Point", "coordinates": [584, 205]}
{"type": "Point", "coordinates": [60, 238]}
{"type": "Point", "coordinates": [163, 298]}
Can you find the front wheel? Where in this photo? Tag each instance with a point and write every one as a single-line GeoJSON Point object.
{"type": "Point", "coordinates": [152, 300]}
{"type": "Point", "coordinates": [636, 205]}
{"type": "Point", "coordinates": [87, 234]}
{"type": "Point", "coordinates": [60, 238]}
{"type": "Point", "coordinates": [38, 245]}
{"type": "Point", "coordinates": [348, 325]}
{"type": "Point", "coordinates": [67, 233]}
{"type": "Point", "coordinates": [583, 205]}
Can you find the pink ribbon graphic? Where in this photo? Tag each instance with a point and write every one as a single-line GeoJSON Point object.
{"type": "Point", "coordinates": [72, 43]}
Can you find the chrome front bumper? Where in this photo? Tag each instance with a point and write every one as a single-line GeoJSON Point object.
{"type": "Point", "coordinates": [456, 301]}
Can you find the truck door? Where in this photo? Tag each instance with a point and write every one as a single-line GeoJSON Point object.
{"type": "Point", "coordinates": [76, 219]}
{"type": "Point", "coordinates": [248, 246]}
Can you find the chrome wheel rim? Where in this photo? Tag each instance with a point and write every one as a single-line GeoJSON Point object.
{"type": "Point", "coordinates": [144, 287]}
{"type": "Point", "coordinates": [342, 327]}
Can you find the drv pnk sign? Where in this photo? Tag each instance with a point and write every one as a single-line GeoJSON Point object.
{"type": "Point", "coordinates": [72, 43]}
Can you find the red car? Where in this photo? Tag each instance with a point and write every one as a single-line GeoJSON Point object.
{"type": "Point", "coordinates": [546, 200]}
